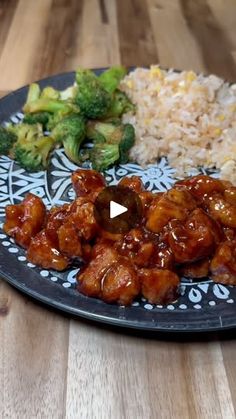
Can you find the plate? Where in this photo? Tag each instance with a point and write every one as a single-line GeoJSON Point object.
{"type": "Point", "coordinates": [202, 306]}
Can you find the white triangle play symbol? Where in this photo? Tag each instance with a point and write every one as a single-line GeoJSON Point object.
{"type": "Point", "coordinates": [116, 209]}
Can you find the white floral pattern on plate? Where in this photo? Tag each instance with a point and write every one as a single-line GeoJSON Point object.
{"type": "Point", "coordinates": [54, 187]}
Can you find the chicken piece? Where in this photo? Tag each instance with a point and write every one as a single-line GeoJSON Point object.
{"type": "Point", "coordinates": [87, 183]}
{"type": "Point", "coordinates": [195, 270]}
{"type": "Point", "coordinates": [221, 210]}
{"type": "Point", "coordinates": [163, 257]}
{"type": "Point", "coordinates": [134, 183]}
{"type": "Point", "coordinates": [25, 220]}
{"type": "Point", "coordinates": [159, 286]}
{"type": "Point", "coordinates": [108, 236]}
{"type": "Point", "coordinates": [147, 198]}
{"type": "Point", "coordinates": [82, 216]}
{"type": "Point", "coordinates": [55, 219]}
{"type": "Point", "coordinates": [42, 252]}
{"type": "Point", "coordinates": [230, 233]}
{"type": "Point", "coordinates": [86, 252]}
{"type": "Point", "coordinates": [223, 264]}
{"type": "Point", "coordinates": [230, 195]}
{"type": "Point", "coordinates": [174, 204]}
{"type": "Point", "coordinates": [201, 185]}
{"type": "Point", "coordinates": [195, 239]}
{"type": "Point", "coordinates": [69, 241]}
{"type": "Point", "coordinates": [109, 276]}
{"type": "Point", "coordinates": [120, 284]}
{"type": "Point", "coordinates": [137, 246]}
{"type": "Point", "coordinates": [89, 278]}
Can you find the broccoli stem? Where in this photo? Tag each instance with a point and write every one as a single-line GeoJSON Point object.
{"type": "Point", "coordinates": [33, 93]}
{"type": "Point", "coordinates": [47, 105]}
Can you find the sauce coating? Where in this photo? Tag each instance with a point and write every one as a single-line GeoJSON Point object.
{"type": "Point", "coordinates": [189, 230]}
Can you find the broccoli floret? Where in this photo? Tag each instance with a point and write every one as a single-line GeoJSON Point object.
{"type": "Point", "coordinates": [33, 93]}
{"type": "Point", "coordinates": [104, 155]}
{"type": "Point", "coordinates": [34, 156]}
{"type": "Point", "coordinates": [108, 133]}
{"type": "Point", "coordinates": [50, 93]}
{"type": "Point", "coordinates": [93, 100]}
{"type": "Point", "coordinates": [99, 131]}
{"type": "Point", "coordinates": [120, 104]}
{"type": "Point", "coordinates": [111, 78]}
{"type": "Point", "coordinates": [126, 142]}
{"type": "Point", "coordinates": [71, 132]}
{"type": "Point", "coordinates": [32, 149]}
{"type": "Point", "coordinates": [7, 140]}
{"type": "Point", "coordinates": [57, 110]}
{"type": "Point", "coordinates": [112, 133]}
{"type": "Point", "coordinates": [37, 118]}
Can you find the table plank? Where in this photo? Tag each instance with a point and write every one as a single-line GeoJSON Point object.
{"type": "Point", "coordinates": [210, 37]}
{"type": "Point", "coordinates": [173, 44]}
{"type": "Point", "coordinates": [21, 43]}
{"type": "Point", "coordinates": [141, 377]}
{"type": "Point", "coordinates": [51, 366]}
{"type": "Point", "coordinates": [97, 43]}
{"type": "Point", "coordinates": [136, 38]}
{"type": "Point", "coordinates": [33, 358]}
{"type": "Point", "coordinates": [7, 10]}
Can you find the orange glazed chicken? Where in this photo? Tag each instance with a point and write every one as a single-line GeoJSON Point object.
{"type": "Point", "coordinates": [189, 230]}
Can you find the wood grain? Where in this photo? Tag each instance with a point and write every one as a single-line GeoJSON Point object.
{"type": "Point", "coordinates": [210, 37]}
{"type": "Point", "coordinates": [137, 45]}
{"type": "Point", "coordinates": [51, 366]}
{"type": "Point", "coordinates": [179, 49]}
{"type": "Point", "coordinates": [19, 49]}
{"type": "Point", "coordinates": [34, 346]}
{"type": "Point", "coordinates": [7, 10]}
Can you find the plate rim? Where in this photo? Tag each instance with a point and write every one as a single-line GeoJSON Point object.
{"type": "Point", "coordinates": [78, 312]}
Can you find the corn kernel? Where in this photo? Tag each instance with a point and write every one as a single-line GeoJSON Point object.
{"type": "Point", "coordinates": [156, 72]}
{"type": "Point", "coordinates": [130, 84]}
{"type": "Point", "coordinates": [191, 76]}
{"type": "Point", "coordinates": [221, 117]}
{"type": "Point", "coordinates": [218, 131]}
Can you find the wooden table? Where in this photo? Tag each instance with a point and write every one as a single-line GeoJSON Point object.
{"type": "Point", "coordinates": [55, 367]}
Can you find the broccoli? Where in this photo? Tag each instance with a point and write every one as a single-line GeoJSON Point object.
{"type": "Point", "coordinates": [33, 93]}
{"type": "Point", "coordinates": [69, 93]}
{"type": "Point", "coordinates": [32, 149]}
{"type": "Point", "coordinates": [49, 105]}
{"type": "Point", "coordinates": [111, 78]}
{"type": "Point", "coordinates": [50, 93]}
{"type": "Point", "coordinates": [93, 100]}
{"type": "Point", "coordinates": [105, 134]}
{"type": "Point", "coordinates": [103, 155]}
{"type": "Point", "coordinates": [126, 142]}
{"type": "Point", "coordinates": [120, 104]}
{"type": "Point", "coordinates": [37, 118]}
{"type": "Point", "coordinates": [71, 132]}
{"type": "Point", "coordinates": [100, 131]}
{"type": "Point", "coordinates": [57, 109]}
{"type": "Point", "coordinates": [7, 140]}
{"type": "Point", "coordinates": [112, 133]}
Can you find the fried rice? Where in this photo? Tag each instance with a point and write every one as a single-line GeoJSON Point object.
{"type": "Point", "coordinates": [189, 118]}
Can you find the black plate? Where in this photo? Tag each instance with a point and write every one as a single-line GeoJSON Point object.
{"type": "Point", "coordinates": [203, 306]}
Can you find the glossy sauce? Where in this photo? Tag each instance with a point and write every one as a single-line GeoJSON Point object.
{"type": "Point", "coordinates": [189, 230]}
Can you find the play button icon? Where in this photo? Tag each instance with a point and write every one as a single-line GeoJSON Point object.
{"type": "Point", "coordinates": [118, 209]}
